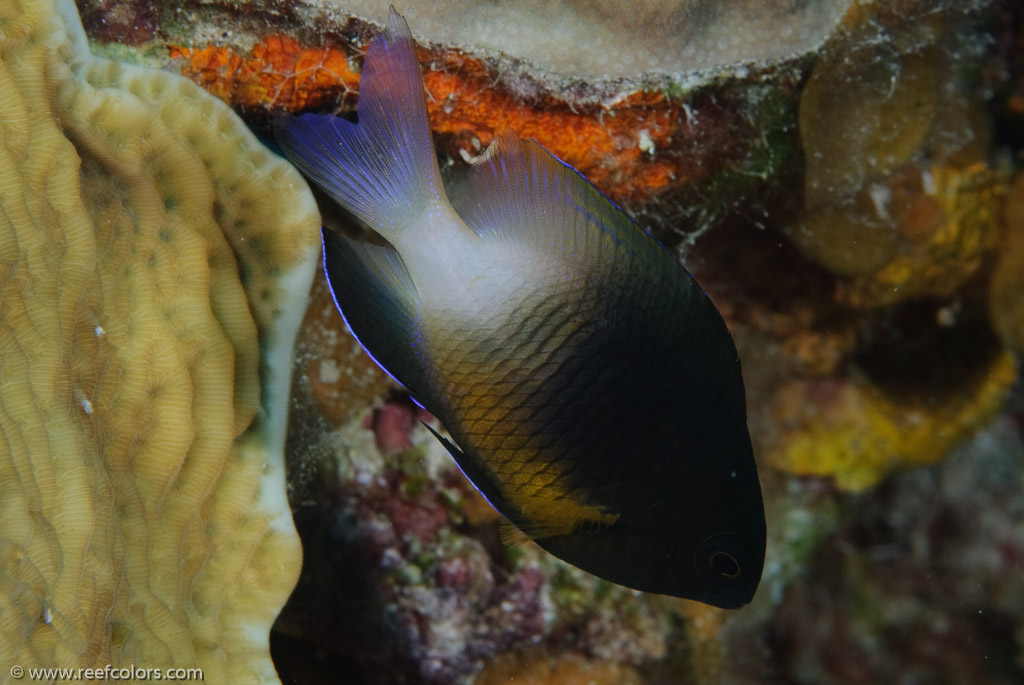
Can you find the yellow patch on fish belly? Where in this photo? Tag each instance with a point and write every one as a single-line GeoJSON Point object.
{"type": "Point", "coordinates": [548, 517]}
{"type": "Point", "coordinates": [496, 420]}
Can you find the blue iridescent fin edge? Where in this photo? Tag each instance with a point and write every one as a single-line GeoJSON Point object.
{"type": "Point", "coordinates": [377, 299]}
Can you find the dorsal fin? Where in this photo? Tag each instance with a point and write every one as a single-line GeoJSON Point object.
{"type": "Point", "coordinates": [521, 191]}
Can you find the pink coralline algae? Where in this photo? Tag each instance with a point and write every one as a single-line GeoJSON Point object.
{"type": "Point", "coordinates": [392, 424]}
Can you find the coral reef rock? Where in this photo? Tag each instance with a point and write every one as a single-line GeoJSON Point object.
{"type": "Point", "coordinates": [604, 39]}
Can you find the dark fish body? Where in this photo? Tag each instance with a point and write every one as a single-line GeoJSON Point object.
{"type": "Point", "coordinates": [592, 392]}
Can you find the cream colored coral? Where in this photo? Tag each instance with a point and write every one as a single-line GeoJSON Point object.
{"type": "Point", "coordinates": [154, 264]}
{"type": "Point", "coordinates": [611, 39]}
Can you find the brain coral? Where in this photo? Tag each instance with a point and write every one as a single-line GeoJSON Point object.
{"type": "Point", "coordinates": [154, 265]}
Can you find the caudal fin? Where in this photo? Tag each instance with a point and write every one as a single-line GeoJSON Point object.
{"type": "Point", "coordinates": [382, 168]}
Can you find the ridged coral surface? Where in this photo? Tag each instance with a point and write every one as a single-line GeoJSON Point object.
{"type": "Point", "coordinates": [152, 259]}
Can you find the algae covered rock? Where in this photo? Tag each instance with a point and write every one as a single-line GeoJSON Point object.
{"type": "Point", "coordinates": [896, 186]}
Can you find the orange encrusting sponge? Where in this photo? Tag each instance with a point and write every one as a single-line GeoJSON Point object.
{"type": "Point", "coordinates": [616, 147]}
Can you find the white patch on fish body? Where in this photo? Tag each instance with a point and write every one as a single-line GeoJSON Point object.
{"type": "Point", "coordinates": [463, 279]}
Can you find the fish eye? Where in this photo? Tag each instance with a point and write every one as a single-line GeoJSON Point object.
{"type": "Point", "coordinates": [724, 564]}
{"type": "Point", "coordinates": [722, 559]}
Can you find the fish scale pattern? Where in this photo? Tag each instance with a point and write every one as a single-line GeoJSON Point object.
{"type": "Point", "coordinates": [546, 399]}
